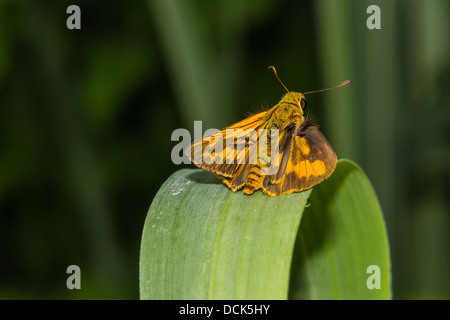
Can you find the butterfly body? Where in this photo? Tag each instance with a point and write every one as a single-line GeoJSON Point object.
{"type": "Point", "coordinates": [304, 157]}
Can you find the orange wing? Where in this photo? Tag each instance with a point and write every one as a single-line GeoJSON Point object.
{"type": "Point", "coordinates": [230, 159]}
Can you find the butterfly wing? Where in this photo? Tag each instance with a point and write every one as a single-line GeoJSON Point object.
{"type": "Point", "coordinates": [227, 153]}
{"type": "Point", "coordinates": [307, 158]}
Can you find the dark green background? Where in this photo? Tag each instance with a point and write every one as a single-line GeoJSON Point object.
{"type": "Point", "coordinates": [86, 118]}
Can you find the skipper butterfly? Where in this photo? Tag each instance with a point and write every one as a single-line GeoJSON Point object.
{"type": "Point", "coordinates": [295, 158]}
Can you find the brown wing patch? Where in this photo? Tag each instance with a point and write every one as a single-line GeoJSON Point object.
{"type": "Point", "coordinates": [311, 160]}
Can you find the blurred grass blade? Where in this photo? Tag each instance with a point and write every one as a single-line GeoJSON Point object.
{"type": "Point", "coordinates": [342, 233]}
{"type": "Point", "coordinates": [203, 241]}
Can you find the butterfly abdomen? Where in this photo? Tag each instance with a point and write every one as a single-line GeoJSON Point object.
{"type": "Point", "coordinates": [254, 180]}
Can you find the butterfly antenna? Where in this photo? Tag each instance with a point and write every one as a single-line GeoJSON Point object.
{"type": "Point", "coordinates": [275, 72]}
{"type": "Point", "coordinates": [339, 85]}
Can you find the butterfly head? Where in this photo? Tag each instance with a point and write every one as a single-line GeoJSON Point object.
{"type": "Point", "coordinates": [296, 99]}
{"type": "Point", "coordinates": [289, 111]}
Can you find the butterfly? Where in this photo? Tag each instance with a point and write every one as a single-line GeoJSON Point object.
{"type": "Point", "coordinates": [280, 150]}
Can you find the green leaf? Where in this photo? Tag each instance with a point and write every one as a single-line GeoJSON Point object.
{"type": "Point", "coordinates": [203, 241]}
{"type": "Point", "coordinates": [342, 233]}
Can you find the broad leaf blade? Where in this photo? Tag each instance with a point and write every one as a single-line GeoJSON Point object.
{"type": "Point", "coordinates": [342, 233]}
{"type": "Point", "coordinates": [203, 241]}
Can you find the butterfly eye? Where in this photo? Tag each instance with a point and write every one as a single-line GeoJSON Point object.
{"type": "Point", "coordinates": [303, 104]}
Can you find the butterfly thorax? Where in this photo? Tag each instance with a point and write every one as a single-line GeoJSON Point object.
{"type": "Point", "coordinates": [288, 111]}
